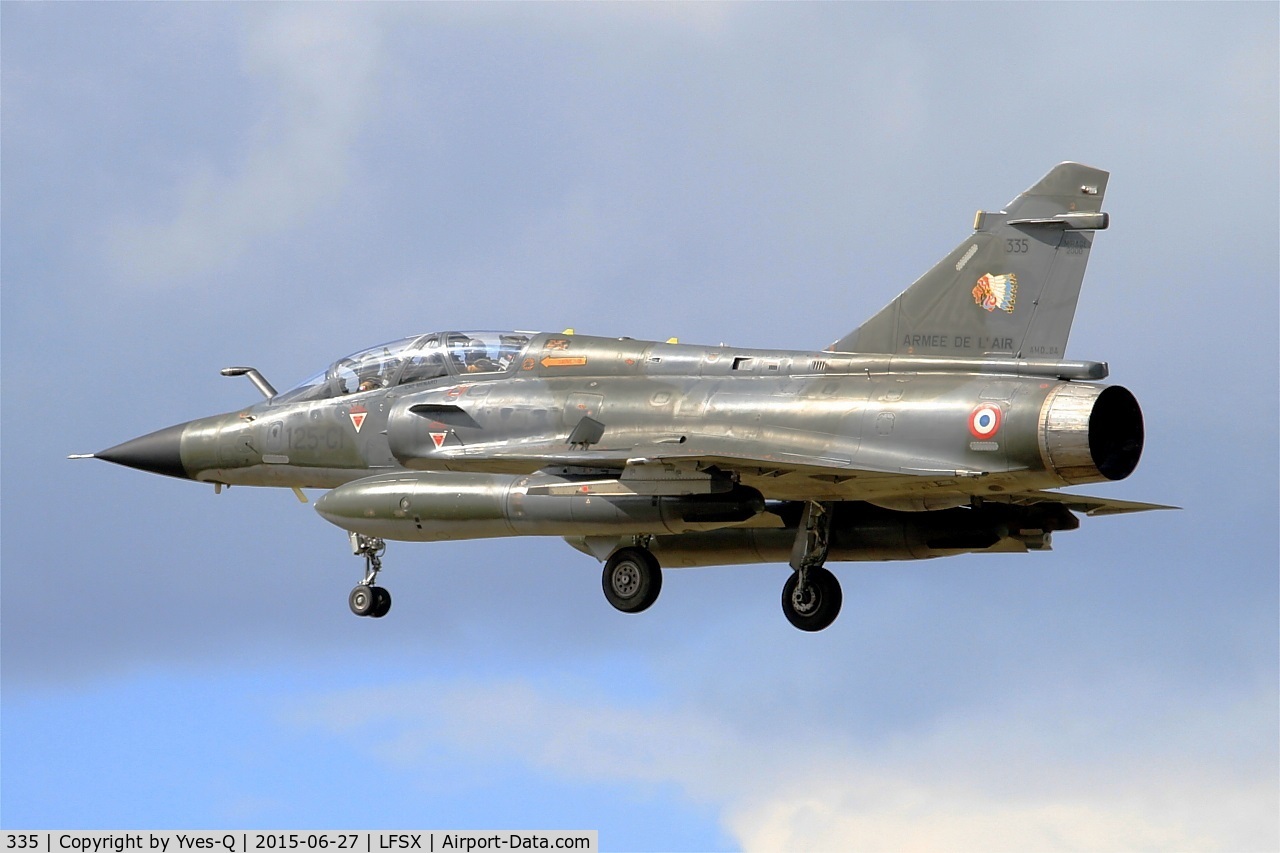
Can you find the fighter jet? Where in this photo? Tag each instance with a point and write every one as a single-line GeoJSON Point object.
{"type": "Point", "coordinates": [942, 425]}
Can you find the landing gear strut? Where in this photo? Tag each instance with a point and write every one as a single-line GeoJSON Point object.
{"type": "Point", "coordinates": [632, 579]}
{"type": "Point", "coordinates": [811, 597]}
{"type": "Point", "coordinates": [367, 599]}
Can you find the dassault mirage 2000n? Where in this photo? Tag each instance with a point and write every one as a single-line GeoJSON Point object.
{"type": "Point", "coordinates": [938, 427]}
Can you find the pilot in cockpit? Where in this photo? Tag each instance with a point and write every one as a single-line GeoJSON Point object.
{"type": "Point", "coordinates": [470, 355]}
{"type": "Point", "coordinates": [478, 360]}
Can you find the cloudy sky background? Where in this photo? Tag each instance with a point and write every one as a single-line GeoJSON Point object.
{"type": "Point", "coordinates": [191, 186]}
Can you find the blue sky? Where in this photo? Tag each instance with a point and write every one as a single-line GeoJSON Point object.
{"type": "Point", "coordinates": [191, 186]}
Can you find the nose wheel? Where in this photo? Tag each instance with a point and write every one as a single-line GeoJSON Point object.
{"type": "Point", "coordinates": [367, 599]}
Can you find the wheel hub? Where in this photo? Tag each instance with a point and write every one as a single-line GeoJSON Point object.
{"type": "Point", "coordinates": [805, 600]}
{"type": "Point", "coordinates": [626, 580]}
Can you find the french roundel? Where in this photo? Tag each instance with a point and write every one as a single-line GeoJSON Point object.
{"type": "Point", "coordinates": [985, 421]}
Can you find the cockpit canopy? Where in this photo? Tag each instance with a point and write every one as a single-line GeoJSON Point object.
{"type": "Point", "coordinates": [420, 358]}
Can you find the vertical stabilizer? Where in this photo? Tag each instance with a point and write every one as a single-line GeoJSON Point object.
{"type": "Point", "coordinates": [1010, 289]}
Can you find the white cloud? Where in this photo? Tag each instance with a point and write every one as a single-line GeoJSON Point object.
{"type": "Point", "coordinates": [318, 64]}
{"type": "Point", "coordinates": [1012, 779]}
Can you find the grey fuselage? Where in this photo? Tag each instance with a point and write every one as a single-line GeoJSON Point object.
{"type": "Point", "coordinates": [894, 431]}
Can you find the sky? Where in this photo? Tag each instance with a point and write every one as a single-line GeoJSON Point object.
{"type": "Point", "coordinates": [190, 186]}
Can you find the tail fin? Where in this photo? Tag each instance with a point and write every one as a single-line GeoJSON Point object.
{"type": "Point", "coordinates": [1010, 289]}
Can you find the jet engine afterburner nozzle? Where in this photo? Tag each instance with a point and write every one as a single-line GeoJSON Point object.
{"type": "Point", "coordinates": [1091, 433]}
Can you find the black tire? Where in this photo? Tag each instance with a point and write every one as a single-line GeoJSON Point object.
{"type": "Point", "coordinates": [632, 579]}
{"type": "Point", "coordinates": [381, 602]}
{"type": "Point", "coordinates": [362, 600]}
{"type": "Point", "coordinates": [820, 607]}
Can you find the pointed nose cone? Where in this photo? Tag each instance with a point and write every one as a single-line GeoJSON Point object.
{"type": "Point", "coordinates": [159, 452]}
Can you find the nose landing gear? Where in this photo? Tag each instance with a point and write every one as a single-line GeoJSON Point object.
{"type": "Point", "coordinates": [367, 599]}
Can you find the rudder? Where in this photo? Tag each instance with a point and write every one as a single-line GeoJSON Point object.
{"type": "Point", "coordinates": [1010, 289]}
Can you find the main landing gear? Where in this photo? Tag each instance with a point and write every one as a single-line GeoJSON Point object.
{"type": "Point", "coordinates": [367, 599]}
{"type": "Point", "coordinates": [632, 579]}
{"type": "Point", "coordinates": [811, 597]}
